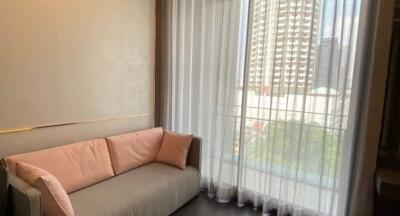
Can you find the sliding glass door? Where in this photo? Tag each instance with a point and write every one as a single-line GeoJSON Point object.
{"type": "Point", "coordinates": [267, 85]}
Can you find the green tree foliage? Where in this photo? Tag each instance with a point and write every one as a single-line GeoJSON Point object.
{"type": "Point", "coordinates": [286, 144]}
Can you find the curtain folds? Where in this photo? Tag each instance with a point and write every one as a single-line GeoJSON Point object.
{"type": "Point", "coordinates": [267, 84]}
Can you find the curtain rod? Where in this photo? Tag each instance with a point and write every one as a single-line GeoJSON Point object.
{"type": "Point", "coordinates": [13, 130]}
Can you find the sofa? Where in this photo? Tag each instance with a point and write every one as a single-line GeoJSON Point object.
{"type": "Point", "coordinates": [101, 180]}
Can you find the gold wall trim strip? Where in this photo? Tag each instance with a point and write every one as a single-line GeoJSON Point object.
{"type": "Point", "coordinates": [13, 130]}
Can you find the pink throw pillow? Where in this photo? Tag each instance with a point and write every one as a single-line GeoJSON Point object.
{"type": "Point", "coordinates": [174, 149]}
{"type": "Point", "coordinates": [54, 199]}
{"type": "Point", "coordinates": [75, 165]}
{"type": "Point", "coordinates": [132, 150]}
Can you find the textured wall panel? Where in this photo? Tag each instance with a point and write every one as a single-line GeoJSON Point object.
{"type": "Point", "coordinates": [69, 60]}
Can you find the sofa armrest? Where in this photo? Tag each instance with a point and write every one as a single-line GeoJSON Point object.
{"type": "Point", "coordinates": [194, 155]}
{"type": "Point", "coordinates": [3, 190]}
{"type": "Point", "coordinates": [23, 199]}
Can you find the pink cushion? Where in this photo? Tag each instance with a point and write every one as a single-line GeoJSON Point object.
{"type": "Point", "coordinates": [54, 199]}
{"type": "Point", "coordinates": [132, 150]}
{"type": "Point", "coordinates": [174, 149]}
{"type": "Point", "coordinates": [75, 165]}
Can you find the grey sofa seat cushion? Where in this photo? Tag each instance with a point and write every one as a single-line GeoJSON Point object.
{"type": "Point", "coordinates": [154, 189]}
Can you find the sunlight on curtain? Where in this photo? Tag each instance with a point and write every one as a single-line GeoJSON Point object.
{"type": "Point", "coordinates": [273, 125]}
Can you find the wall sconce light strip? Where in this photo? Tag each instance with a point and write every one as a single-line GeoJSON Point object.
{"type": "Point", "coordinates": [13, 130]}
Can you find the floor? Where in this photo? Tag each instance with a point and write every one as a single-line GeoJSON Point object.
{"type": "Point", "coordinates": [203, 206]}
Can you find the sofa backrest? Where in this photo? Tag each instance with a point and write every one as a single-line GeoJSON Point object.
{"type": "Point", "coordinates": [132, 150]}
{"type": "Point", "coordinates": [75, 165]}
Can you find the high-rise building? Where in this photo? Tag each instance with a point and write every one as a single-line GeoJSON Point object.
{"type": "Point", "coordinates": [283, 43]}
{"type": "Point", "coordinates": [327, 64]}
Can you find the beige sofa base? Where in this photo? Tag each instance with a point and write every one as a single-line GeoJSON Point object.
{"type": "Point", "coordinates": [155, 189]}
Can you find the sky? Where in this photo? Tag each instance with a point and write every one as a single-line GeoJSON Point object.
{"type": "Point", "coordinates": [328, 13]}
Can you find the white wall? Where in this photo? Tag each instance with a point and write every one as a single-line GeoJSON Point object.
{"type": "Point", "coordinates": [69, 60]}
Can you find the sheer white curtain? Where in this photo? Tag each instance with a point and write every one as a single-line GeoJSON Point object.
{"type": "Point", "coordinates": [203, 86]}
{"type": "Point", "coordinates": [267, 85]}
